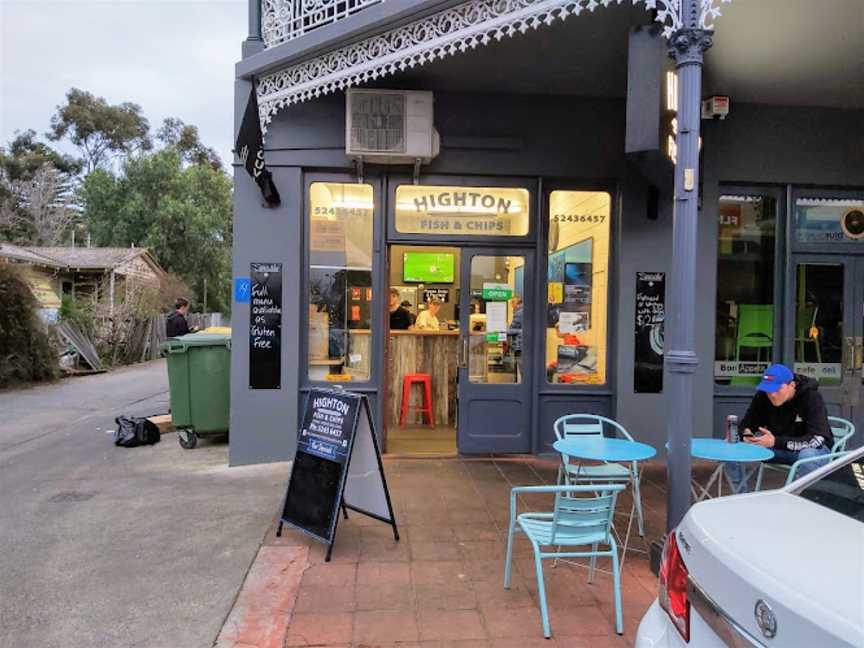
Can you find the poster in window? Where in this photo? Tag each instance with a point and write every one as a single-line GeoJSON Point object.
{"type": "Point", "coordinates": [650, 315]}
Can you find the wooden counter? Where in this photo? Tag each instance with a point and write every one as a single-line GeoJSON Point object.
{"type": "Point", "coordinates": [431, 352]}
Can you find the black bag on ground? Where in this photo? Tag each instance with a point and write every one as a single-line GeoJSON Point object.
{"type": "Point", "coordinates": [135, 431]}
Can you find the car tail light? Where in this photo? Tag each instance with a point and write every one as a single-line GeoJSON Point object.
{"type": "Point", "coordinates": [673, 587]}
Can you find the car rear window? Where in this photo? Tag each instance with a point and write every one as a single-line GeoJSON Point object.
{"type": "Point", "coordinates": [841, 490]}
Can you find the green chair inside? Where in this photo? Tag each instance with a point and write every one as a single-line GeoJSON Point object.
{"type": "Point", "coordinates": [755, 328]}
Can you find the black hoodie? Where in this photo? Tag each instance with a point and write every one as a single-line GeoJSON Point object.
{"type": "Point", "coordinates": [801, 422]}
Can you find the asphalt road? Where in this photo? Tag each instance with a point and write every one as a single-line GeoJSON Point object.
{"type": "Point", "coordinates": [119, 547]}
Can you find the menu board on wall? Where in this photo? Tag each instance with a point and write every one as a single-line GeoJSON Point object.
{"type": "Point", "coordinates": [265, 326]}
{"type": "Point", "coordinates": [649, 321]}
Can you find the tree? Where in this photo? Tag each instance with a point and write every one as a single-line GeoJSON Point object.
{"type": "Point", "coordinates": [26, 352]}
{"type": "Point", "coordinates": [24, 155]}
{"type": "Point", "coordinates": [39, 210]}
{"type": "Point", "coordinates": [183, 214]}
{"type": "Point", "coordinates": [100, 130]}
{"type": "Point", "coordinates": [20, 161]}
{"type": "Point", "coordinates": [184, 138]}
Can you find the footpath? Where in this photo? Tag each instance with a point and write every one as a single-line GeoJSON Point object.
{"type": "Point", "coordinates": [441, 584]}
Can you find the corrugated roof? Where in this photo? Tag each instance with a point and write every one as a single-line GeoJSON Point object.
{"type": "Point", "coordinates": [9, 251]}
{"type": "Point", "coordinates": [84, 258]}
{"type": "Point", "coordinates": [92, 257]}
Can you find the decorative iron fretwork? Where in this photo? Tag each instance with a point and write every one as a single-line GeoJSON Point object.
{"type": "Point", "coordinates": [283, 20]}
{"type": "Point", "coordinates": [452, 31]}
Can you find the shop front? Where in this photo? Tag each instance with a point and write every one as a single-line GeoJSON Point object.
{"type": "Point", "coordinates": [525, 269]}
{"type": "Point", "coordinates": [790, 288]}
{"type": "Point", "coordinates": [466, 332]}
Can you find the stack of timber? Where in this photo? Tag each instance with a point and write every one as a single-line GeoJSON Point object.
{"type": "Point", "coordinates": [82, 344]}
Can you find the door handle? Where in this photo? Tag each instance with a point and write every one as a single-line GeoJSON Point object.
{"type": "Point", "coordinates": [858, 355]}
{"type": "Point", "coordinates": [849, 361]}
{"type": "Point", "coordinates": [462, 352]}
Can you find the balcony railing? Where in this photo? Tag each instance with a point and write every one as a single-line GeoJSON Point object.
{"type": "Point", "coordinates": [284, 20]}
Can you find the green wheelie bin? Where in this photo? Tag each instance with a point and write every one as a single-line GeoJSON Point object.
{"type": "Point", "coordinates": [199, 370]}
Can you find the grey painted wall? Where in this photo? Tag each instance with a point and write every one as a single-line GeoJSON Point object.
{"type": "Point", "coordinates": [645, 246]}
{"type": "Point", "coordinates": [263, 422]}
{"type": "Point", "coordinates": [551, 137]}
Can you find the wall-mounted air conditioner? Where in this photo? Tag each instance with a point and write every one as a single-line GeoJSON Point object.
{"type": "Point", "coordinates": [390, 126]}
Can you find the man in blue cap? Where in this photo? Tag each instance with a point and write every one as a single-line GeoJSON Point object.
{"type": "Point", "coordinates": [787, 415]}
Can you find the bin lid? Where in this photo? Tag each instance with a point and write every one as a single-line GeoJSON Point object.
{"type": "Point", "coordinates": [182, 343]}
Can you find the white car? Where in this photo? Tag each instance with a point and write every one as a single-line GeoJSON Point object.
{"type": "Point", "coordinates": [778, 568]}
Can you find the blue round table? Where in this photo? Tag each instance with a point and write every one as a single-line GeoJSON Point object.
{"type": "Point", "coordinates": [604, 449]}
{"type": "Point", "coordinates": [721, 451]}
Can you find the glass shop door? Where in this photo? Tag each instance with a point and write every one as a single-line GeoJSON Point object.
{"type": "Point", "coordinates": [828, 330]}
{"type": "Point", "coordinates": [494, 353]}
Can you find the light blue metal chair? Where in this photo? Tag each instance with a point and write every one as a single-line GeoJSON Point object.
{"type": "Point", "coordinates": [842, 430]}
{"type": "Point", "coordinates": [586, 426]}
{"type": "Point", "coordinates": [575, 521]}
{"type": "Point", "coordinates": [794, 468]}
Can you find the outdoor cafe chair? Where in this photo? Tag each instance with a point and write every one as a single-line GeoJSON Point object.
{"type": "Point", "coordinates": [842, 430]}
{"type": "Point", "coordinates": [586, 426]}
{"type": "Point", "coordinates": [793, 469]}
{"type": "Point", "coordinates": [582, 516]}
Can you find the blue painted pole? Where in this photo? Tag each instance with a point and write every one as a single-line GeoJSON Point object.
{"type": "Point", "coordinates": [687, 46]}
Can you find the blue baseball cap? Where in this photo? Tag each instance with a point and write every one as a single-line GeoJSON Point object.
{"type": "Point", "coordinates": [775, 377]}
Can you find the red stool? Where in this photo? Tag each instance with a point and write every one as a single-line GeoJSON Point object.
{"type": "Point", "coordinates": [426, 381]}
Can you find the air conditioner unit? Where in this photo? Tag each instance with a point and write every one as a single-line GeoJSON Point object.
{"type": "Point", "coordinates": [390, 126]}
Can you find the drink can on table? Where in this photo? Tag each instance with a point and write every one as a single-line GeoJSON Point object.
{"type": "Point", "coordinates": [732, 428]}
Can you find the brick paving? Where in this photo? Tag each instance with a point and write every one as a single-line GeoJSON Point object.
{"type": "Point", "coordinates": [441, 585]}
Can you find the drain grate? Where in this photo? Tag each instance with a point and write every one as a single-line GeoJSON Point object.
{"type": "Point", "coordinates": [72, 496]}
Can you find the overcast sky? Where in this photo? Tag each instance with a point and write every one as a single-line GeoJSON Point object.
{"type": "Point", "coordinates": [174, 58]}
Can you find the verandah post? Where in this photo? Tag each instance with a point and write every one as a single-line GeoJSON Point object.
{"type": "Point", "coordinates": [686, 46]}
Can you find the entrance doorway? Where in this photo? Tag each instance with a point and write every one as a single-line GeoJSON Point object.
{"type": "Point", "coordinates": [495, 351]}
{"type": "Point", "coordinates": [458, 344]}
{"type": "Point", "coordinates": [828, 329]}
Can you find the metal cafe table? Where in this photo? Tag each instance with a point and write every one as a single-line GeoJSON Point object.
{"type": "Point", "coordinates": [722, 451]}
{"type": "Point", "coordinates": [606, 449]}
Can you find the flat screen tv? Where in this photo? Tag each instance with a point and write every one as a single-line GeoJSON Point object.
{"type": "Point", "coordinates": [427, 267]}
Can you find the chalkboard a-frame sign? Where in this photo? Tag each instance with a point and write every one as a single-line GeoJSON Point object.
{"type": "Point", "coordinates": [337, 464]}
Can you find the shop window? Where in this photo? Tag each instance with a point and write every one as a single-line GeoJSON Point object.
{"type": "Point", "coordinates": [340, 281]}
{"type": "Point", "coordinates": [462, 211]}
{"type": "Point", "coordinates": [745, 288]}
{"type": "Point", "coordinates": [578, 278]}
{"type": "Point", "coordinates": [826, 220]}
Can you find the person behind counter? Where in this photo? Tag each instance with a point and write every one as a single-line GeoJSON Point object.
{"type": "Point", "coordinates": [428, 320]}
{"type": "Point", "coordinates": [400, 318]}
{"type": "Point", "coordinates": [406, 305]}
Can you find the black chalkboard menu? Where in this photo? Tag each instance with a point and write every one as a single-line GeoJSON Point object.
{"type": "Point", "coordinates": [649, 320]}
{"type": "Point", "coordinates": [265, 326]}
{"type": "Point", "coordinates": [337, 464]}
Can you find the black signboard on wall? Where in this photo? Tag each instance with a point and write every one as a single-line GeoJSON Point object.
{"type": "Point", "coordinates": [265, 326]}
{"type": "Point", "coordinates": [337, 464]}
{"type": "Point", "coordinates": [650, 316]}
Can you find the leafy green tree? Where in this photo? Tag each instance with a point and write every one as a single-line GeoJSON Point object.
{"type": "Point", "coordinates": [184, 138]}
{"type": "Point", "coordinates": [26, 351]}
{"type": "Point", "coordinates": [100, 130]}
{"type": "Point", "coordinates": [182, 213]}
{"type": "Point", "coordinates": [25, 154]}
